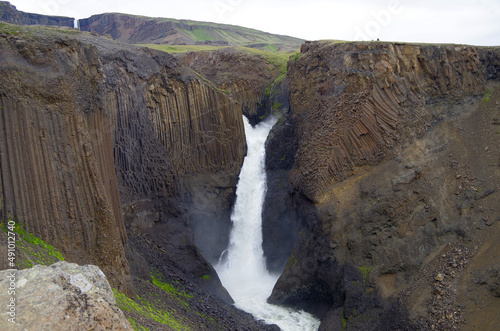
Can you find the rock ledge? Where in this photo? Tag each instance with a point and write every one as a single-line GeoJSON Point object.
{"type": "Point", "coordinates": [63, 296]}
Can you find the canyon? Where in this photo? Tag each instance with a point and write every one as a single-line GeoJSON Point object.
{"type": "Point", "coordinates": [383, 171]}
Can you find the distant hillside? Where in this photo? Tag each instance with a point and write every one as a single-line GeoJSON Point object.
{"type": "Point", "coordinates": [164, 31]}
{"type": "Point", "coordinates": [10, 14]}
{"type": "Point", "coordinates": [159, 31]}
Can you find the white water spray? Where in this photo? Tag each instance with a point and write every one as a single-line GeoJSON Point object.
{"type": "Point", "coordinates": [243, 267]}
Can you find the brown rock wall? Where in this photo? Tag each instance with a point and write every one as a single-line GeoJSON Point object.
{"type": "Point", "coordinates": [88, 125]}
{"type": "Point", "coordinates": [367, 100]}
{"type": "Point", "coordinates": [245, 76]}
{"type": "Point", "coordinates": [54, 170]}
{"type": "Point", "coordinates": [393, 142]}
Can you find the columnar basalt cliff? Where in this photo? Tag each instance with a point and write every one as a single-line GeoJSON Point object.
{"type": "Point", "coordinates": [368, 101]}
{"type": "Point", "coordinates": [396, 166]}
{"type": "Point", "coordinates": [246, 76]}
{"type": "Point", "coordinates": [57, 172]}
{"type": "Point", "coordinates": [383, 172]}
{"type": "Point", "coordinates": [91, 128]}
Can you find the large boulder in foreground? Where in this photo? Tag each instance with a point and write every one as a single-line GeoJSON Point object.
{"type": "Point", "coordinates": [63, 296]}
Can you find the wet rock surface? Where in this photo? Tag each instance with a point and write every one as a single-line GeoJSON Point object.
{"type": "Point", "coordinates": [280, 221]}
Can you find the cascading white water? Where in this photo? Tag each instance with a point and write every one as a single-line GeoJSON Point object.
{"type": "Point", "coordinates": [242, 269]}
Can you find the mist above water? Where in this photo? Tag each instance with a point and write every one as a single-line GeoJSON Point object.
{"type": "Point", "coordinates": [242, 268]}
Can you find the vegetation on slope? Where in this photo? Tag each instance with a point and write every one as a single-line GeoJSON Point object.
{"type": "Point", "coordinates": [29, 249]}
{"type": "Point", "coordinates": [167, 31]}
{"type": "Point", "coordinates": [165, 305]}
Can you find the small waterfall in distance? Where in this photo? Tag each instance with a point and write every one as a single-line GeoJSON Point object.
{"type": "Point", "coordinates": [242, 268]}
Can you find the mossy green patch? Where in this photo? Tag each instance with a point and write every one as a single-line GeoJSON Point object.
{"type": "Point", "coordinates": [169, 288]}
{"type": "Point", "coordinates": [34, 30]}
{"type": "Point", "coordinates": [278, 59]}
{"type": "Point", "coordinates": [343, 319]}
{"type": "Point", "coordinates": [364, 272]}
{"type": "Point", "coordinates": [137, 326]}
{"type": "Point", "coordinates": [199, 34]}
{"type": "Point", "coordinates": [147, 309]}
{"type": "Point", "coordinates": [487, 95]}
{"type": "Point", "coordinates": [291, 262]}
{"type": "Point", "coordinates": [270, 48]}
{"type": "Point", "coordinates": [10, 29]}
{"type": "Point", "coordinates": [31, 250]}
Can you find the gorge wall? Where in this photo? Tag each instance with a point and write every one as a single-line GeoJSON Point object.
{"type": "Point", "coordinates": [396, 165]}
{"type": "Point", "coordinates": [383, 173]}
{"type": "Point", "coordinates": [246, 76]}
{"type": "Point", "coordinates": [98, 137]}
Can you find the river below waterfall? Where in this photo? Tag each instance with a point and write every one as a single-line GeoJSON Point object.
{"type": "Point", "coordinates": [242, 269]}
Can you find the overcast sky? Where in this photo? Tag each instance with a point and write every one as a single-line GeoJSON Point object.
{"type": "Point", "coordinates": [475, 22]}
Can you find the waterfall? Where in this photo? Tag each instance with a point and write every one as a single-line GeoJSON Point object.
{"type": "Point", "coordinates": [242, 268]}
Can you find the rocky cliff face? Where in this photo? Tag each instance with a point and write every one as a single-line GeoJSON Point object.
{"type": "Point", "coordinates": [396, 164]}
{"type": "Point", "coordinates": [373, 100]}
{"type": "Point", "coordinates": [56, 166]}
{"type": "Point", "coordinates": [93, 130]}
{"type": "Point", "coordinates": [10, 14]}
{"type": "Point", "coordinates": [246, 76]}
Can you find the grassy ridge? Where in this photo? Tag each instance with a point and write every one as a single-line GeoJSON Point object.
{"type": "Point", "coordinates": [278, 58]}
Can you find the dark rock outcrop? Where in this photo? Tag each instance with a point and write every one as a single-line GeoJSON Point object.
{"type": "Point", "coordinates": [280, 220]}
{"type": "Point", "coordinates": [10, 14]}
{"type": "Point", "coordinates": [57, 169]}
{"type": "Point", "coordinates": [395, 146]}
{"type": "Point", "coordinates": [368, 101]}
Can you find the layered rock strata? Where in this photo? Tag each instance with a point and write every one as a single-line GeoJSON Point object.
{"type": "Point", "coordinates": [10, 14]}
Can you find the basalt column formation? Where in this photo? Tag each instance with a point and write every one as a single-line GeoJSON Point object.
{"type": "Point", "coordinates": [396, 165]}
{"type": "Point", "coordinates": [92, 130]}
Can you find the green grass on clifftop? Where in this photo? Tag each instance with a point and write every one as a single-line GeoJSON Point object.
{"type": "Point", "coordinates": [278, 58]}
